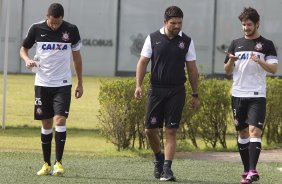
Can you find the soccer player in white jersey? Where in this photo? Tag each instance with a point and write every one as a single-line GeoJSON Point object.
{"type": "Point", "coordinates": [57, 42]}
{"type": "Point", "coordinates": [249, 59]}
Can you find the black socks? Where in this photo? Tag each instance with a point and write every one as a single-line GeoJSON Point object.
{"type": "Point", "coordinates": [254, 152]}
{"type": "Point", "coordinates": [60, 138]}
{"type": "Point", "coordinates": [159, 156]}
{"type": "Point", "coordinates": [46, 141]}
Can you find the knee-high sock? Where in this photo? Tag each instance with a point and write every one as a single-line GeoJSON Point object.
{"type": "Point", "coordinates": [243, 147]}
{"type": "Point", "coordinates": [46, 141]}
{"type": "Point", "coordinates": [254, 152]}
{"type": "Point", "coordinates": [60, 137]}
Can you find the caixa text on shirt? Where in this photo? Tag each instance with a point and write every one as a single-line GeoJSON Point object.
{"type": "Point", "coordinates": [97, 42]}
{"type": "Point", "coordinates": [54, 46]}
{"type": "Point", "coordinates": [245, 56]}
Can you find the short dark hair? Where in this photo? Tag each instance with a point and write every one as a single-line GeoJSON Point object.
{"type": "Point", "coordinates": [249, 13]}
{"type": "Point", "coordinates": [173, 11]}
{"type": "Point", "coordinates": [56, 10]}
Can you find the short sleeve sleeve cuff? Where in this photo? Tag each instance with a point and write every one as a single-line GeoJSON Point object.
{"type": "Point", "coordinates": [191, 54]}
{"type": "Point", "coordinates": [147, 49]}
{"type": "Point", "coordinates": [76, 47]}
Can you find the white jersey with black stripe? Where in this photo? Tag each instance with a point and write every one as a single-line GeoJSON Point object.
{"type": "Point", "coordinates": [249, 78]}
{"type": "Point", "coordinates": [54, 49]}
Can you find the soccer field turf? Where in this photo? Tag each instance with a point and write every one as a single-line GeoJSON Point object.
{"type": "Point", "coordinates": [20, 102]}
{"type": "Point", "coordinates": [20, 167]}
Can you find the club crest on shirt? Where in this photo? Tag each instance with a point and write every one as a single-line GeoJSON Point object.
{"type": "Point", "coordinates": [236, 123]}
{"type": "Point", "coordinates": [65, 36]}
{"type": "Point", "coordinates": [258, 46]}
{"type": "Point", "coordinates": [153, 120]}
{"type": "Point", "coordinates": [181, 45]}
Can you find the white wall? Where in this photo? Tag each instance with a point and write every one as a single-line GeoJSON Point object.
{"type": "Point", "coordinates": [97, 21]}
{"type": "Point", "coordinates": [97, 24]}
{"type": "Point", "coordinates": [140, 18]}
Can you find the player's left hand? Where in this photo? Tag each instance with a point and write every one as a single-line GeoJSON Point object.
{"type": "Point", "coordinates": [254, 57]}
{"type": "Point", "coordinates": [195, 103]}
{"type": "Point", "coordinates": [138, 93]}
{"type": "Point", "coordinates": [78, 91]}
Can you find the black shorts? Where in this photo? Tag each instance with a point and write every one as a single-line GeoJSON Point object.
{"type": "Point", "coordinates": [50, 101]}
{"type": "Point", "coordinates": [165, 105]}
{"type": "Point", "coordinates": [248, 111]}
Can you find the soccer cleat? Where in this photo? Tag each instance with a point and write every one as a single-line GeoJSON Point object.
{"type": "Point", "coordinates": [167, 175]}
{"type": "Point", "coordinates": [253, 175]}
{"type": "Point", "coordinates": [58, 169]}
{"type": "Point", "coordinates": [244, 180]}
{"type": "Point", "coordinates": [158, 169]}
{"type": "Point", "coordinates": [244, 175]}
{"type": "Point", "coordinates": [45, 170]}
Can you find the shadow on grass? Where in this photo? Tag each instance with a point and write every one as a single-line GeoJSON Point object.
{"type": "Point", "coordinates": [31, 131]}
{"type": "Point", "coordinates": [137, 180]}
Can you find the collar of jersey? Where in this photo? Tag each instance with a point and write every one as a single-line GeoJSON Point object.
{"type": "Point", "coordinates": [162, 32]}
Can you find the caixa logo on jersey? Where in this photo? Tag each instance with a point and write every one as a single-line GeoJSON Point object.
{"type": "Point", "coordinates": [54, 46]}
{"type": "Point", "coordinates": [245, 56]}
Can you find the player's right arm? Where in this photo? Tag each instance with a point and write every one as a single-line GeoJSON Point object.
{"type": "Point", "coordinates": [144, 59]}
{"type": "Point", "coordinates": [29, 63]}
{"type": "Point", "coordinates": [229, 66]}
{"type": "Point", "coordinates": [230, 60]}
{"type": "Point", "coordinates": [27, 44]}
{"type": "Point", "coordinates": [140, 74]}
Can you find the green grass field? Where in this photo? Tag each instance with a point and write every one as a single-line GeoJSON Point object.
{"type": "Point", "coordinates": [17, 167]}
{"type": "Point", "coordinates": [88, 157]}
{"type": "Point", "coordinates": [20, 100]}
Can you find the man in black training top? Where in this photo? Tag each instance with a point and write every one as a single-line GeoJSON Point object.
{"type": "Point", "coordinates": [170, 50]}
{"type": "Point", "coordinates": [57, 42]}
{"type": "Point", "coordinates": [248, 59]}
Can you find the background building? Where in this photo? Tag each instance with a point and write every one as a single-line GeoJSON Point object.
{"type": "Point", "coordinates": [113, 31]}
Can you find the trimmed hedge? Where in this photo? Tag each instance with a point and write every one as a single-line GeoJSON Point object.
{"type": "Point", "coordinates": [122, 117]}
{"type": "Point", "coordinates": [209, 121]}
{"type": "Point", "coordinates": [273, 123]}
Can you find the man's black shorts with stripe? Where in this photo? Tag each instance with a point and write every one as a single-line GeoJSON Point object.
{"type": "Point", "coordinates": [51, 101]}
{"type": "Point", "coordinates": [248, 111]}
{"type": "Point", "coordinates": [165, 105]}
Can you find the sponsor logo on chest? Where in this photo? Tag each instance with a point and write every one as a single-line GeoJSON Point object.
{"type": "Point", "coordinates": [54, 46]}
{"type": "Point", "coordinates": [245, 56]}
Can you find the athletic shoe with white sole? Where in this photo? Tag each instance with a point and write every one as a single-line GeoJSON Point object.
{"type": "Point", "coordinates": [253, 175]}
{"type": "Point", "coordinates": [158, 169]}
{"type": "Point", "coordinates": [167, 175]}
{"type": "Point", "coordinates": [244, 180]}
{"type": "Point", "coordinates": [45, 170]}
{"type": "Point", "coordinates": [58, 169]}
